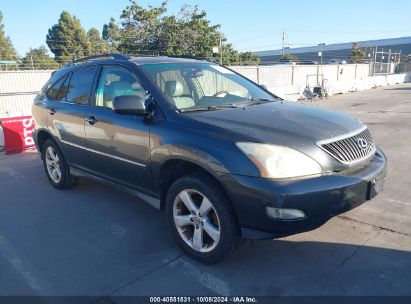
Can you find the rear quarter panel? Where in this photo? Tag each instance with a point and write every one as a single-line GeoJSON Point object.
{"type": "Point", "coordinates": [39, 114]}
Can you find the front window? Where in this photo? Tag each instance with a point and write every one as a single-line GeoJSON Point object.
{"type": "Point", "coordinates": [191, 87]}
{"type": "Point", "coordinates": [117, 81]}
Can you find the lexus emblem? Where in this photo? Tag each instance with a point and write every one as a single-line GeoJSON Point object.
{"type": "Point", "coordinates": [362, 143]}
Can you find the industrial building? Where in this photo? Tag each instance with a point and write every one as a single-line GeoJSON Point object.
{"type": "Point", "coordinates": [338, 52]}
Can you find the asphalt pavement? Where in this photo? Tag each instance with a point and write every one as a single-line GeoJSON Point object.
{"type": "Point", "coordinates": [98, 241]}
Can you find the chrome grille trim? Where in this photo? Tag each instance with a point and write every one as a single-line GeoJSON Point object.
{"type": "Point", "coordinates": [346, 149]}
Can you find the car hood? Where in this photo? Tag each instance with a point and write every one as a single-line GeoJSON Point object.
{"type": "Point", "coordinates": [281, 123]}
{"type": "Point", "coordinates": [268, 121]}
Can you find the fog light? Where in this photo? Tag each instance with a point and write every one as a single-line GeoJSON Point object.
{"type": "Point", "coordinates": [284, 214]}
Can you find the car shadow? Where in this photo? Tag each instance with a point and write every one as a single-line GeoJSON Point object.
{"type": "Point", "coordinates": [283, 267]}
{"type": "Point", "coordinates": [94, 240]}
{"type": "Point", "coordinates": [271, 267]}
{"type": "Point", "coordinates": [399, 89]}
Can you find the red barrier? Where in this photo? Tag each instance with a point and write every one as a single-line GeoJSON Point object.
{"type": "Point", "coordinates": [17, 133]}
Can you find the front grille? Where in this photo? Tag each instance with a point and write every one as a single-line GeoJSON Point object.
{"type": "Point", "coordinates": [351, 149]}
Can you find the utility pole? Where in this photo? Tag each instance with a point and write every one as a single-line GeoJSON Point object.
{"type": "Point", "coordinates": [32, 65]}
{"type": "Point", "coordinates": [283, 37]}
{"type": "Point", "coordinates": [221, 51]}
{"type": "Point", "coordinates": [375, 61]}
{"type": "Point", "coordinates": [320, 53]}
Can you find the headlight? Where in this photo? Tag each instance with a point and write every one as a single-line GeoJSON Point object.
{"type": "Point", "coordinates": [278, 161]}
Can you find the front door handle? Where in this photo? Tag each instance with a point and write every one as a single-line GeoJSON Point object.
{"type": "Point", "coordinates": [91, 120]}
{"type": "Point", "coordinates": [52, 111]}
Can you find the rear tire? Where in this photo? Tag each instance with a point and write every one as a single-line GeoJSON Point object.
{"type": "Point", "coordinates": [56, 167]}
{"type": "Point", "coordinates": [201, 218]}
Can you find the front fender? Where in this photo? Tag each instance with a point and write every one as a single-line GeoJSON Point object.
{"type": "Point", "coordinates": [215, 154]}
{"type": "Point", "coordinates": [213, 151]}
{"type": "Point", "coordinates": [200, 158]}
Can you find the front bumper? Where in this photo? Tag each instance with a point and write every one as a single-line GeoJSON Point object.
{"type": "Point", "coordinates": [319, 198]}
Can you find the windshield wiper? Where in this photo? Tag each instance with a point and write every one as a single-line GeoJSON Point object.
{"type": "Point", "coordinates": [210, 108]}
{"type": "Point", "coordinates": [232, 105]}
{"type": "Point", "coordinates": [260, 100]}
{"type": "Point", "coordinates": [253, 101]}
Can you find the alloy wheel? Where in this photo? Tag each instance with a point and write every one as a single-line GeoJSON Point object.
{"type": "Point", "coordinates": [53, 164]}
{"type": "Point", "coordinates": [196, 220]}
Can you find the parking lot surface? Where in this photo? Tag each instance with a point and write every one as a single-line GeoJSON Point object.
{"type": "Point", "coordinates": [95, 240]}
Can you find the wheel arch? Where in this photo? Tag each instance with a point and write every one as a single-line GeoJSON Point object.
{"type": "Point", "coordinates": [176, 168]}
{"type": "Point", "coordinates": [41, 137]}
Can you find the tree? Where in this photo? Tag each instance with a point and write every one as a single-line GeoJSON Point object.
{"type": "Point", "coordinates": [232, 57]}
{"type": "Point", "coordinates": [191, 34]}
{"type": "Point", "coordinates": [141, 31]}
{"type": "Point", "coordinates": [357, 54]}
{"type": "Point", "coordinates": [7, 51]}
{"type": "Point", "coordinates": [111, 34]}
{"type": "Point", "coordinates": [67, 39]}
{"type": "Point", "coordinates": [39, 59]}
{"type": "Point", "coordinates": [98, 45]}
{"type": "Point", "coordinates": [229, 54]}
{"type": "Point", "coordinates": [149, 31]}
{"type": "Point", "coordinates": [288, 57]}
{"type": "Point", "coordinates": [249, 58]}
{"type": "Point", "coordinates": [145, 31]}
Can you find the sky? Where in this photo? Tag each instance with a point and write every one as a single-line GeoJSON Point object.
{"type": "Point", "coordinates": [250, 25]}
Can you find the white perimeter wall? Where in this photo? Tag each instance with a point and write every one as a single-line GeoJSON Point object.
{"type": "Point", "coordinates": [289, 81]}
{"type": "Point", "coordinates": [18, 88]}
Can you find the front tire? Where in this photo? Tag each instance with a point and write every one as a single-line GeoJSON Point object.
{"type": "Point", "coordinates": [55, 165]}
{"type": "Point", "coordinates": [201, 218]}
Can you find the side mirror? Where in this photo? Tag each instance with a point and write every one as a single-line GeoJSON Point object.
{"type": "Point", "coordinates": [263, 86]}
{"type": "Point", "coordinates": [129, 105]}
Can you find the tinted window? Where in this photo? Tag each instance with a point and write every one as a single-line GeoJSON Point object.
{"type": "Point", "coordinates": [80, 86]}
{"type": "Point", "coordinates": [63, 90]}
{"type": "Point", "coordinates": [117, 81]}
{"type": "Point", "coordinates": [53, 92]}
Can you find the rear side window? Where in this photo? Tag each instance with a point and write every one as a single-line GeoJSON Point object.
{"type": "Point", "coordinates": [63, 90]}
{"type": "Point", "coordinates": [79, 89]}
{"type": "Point", "coordinates": [53, 91]}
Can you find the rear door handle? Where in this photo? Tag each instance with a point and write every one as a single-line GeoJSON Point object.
{"type": "Point", "coordinates": [52, 111]}
{"type": "Point", "coordinates": [91, 120]}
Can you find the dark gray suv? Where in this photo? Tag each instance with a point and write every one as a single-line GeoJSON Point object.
{"type": "Point", "coordinates": [224, 158]}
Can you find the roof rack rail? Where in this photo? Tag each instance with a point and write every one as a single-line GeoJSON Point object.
{"type": "Point", "coordinates": [188, 57]}
{"type": "Point", "coordinates": [96, 57]}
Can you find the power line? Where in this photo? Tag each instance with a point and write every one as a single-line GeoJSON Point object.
{"type": "Point", "coordinates": [269, 34]}
{"type": "Point", "coordinates": [347, 32]}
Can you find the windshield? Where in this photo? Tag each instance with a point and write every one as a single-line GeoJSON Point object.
{"type": "Point", "coordinates": [193, 87]}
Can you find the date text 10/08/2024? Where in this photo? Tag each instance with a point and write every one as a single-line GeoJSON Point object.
{"type": "Point", "coordinates": [239, 299]}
